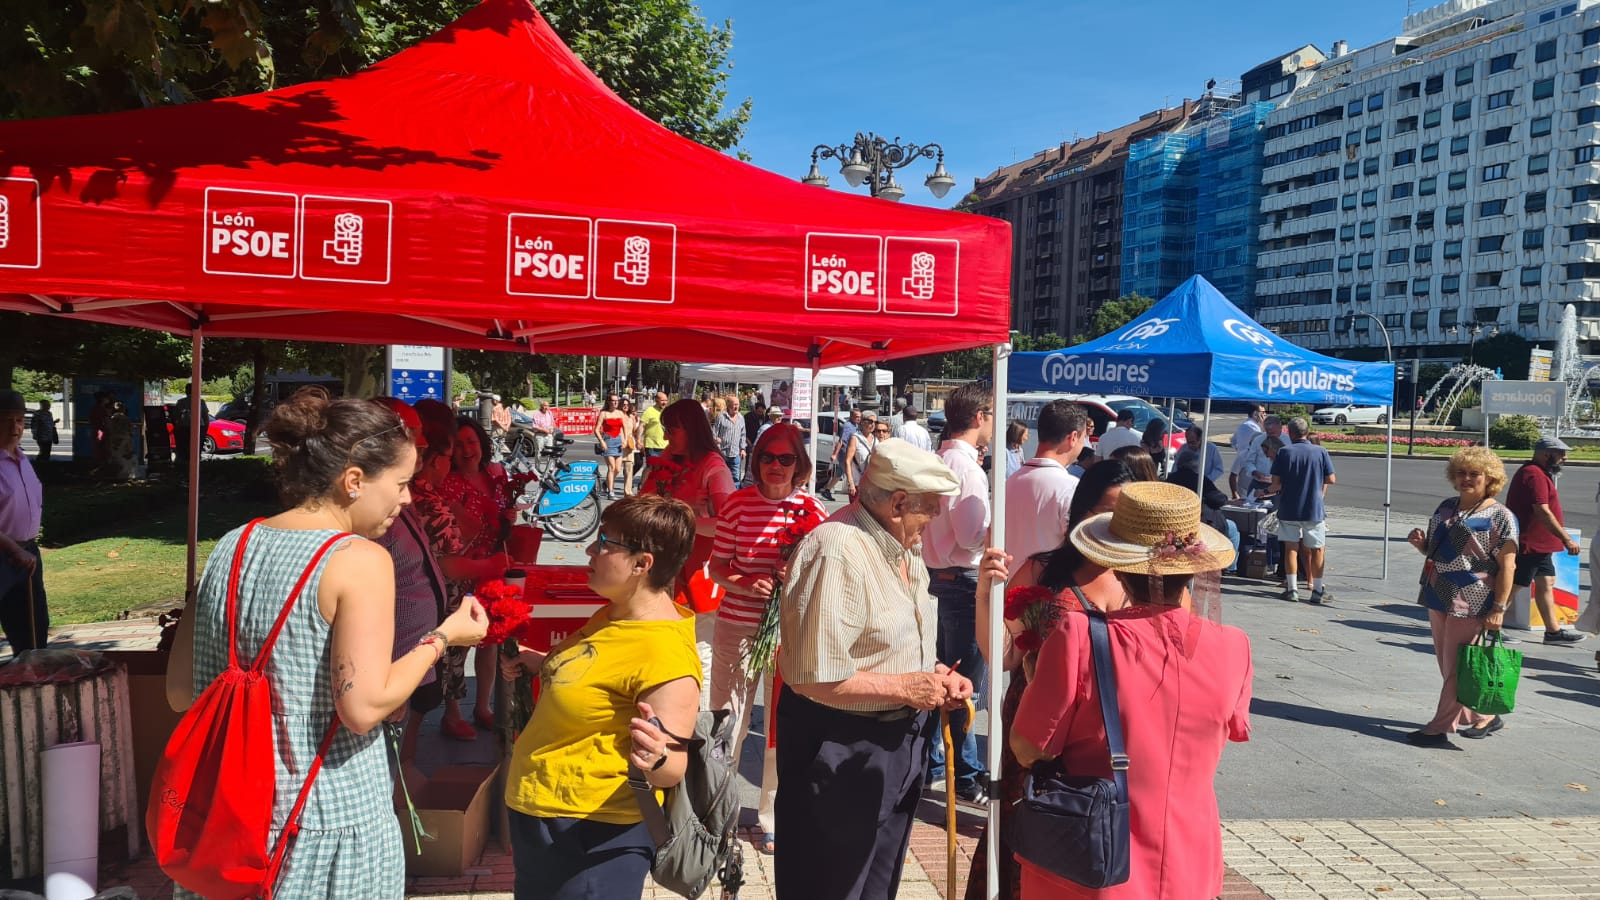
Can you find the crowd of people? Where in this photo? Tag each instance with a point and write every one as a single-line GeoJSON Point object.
{"type": "Point", "coordinates": [877, 610]}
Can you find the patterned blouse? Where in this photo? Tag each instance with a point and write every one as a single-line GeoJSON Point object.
{"type": "Point", "coordinates": [478, 509]}
{"type": "Point", "coordinates": [1458, 575]}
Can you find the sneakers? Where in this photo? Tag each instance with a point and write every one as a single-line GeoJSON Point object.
{"type": "Point", "coordinates": [972, 795]}
{"type": "Point", "coordinates": [1291, 595]}
{"type": "Point", "coordinates": [1490, 727]}
{"type": "Point", "coordinates": [1320, 596]}
{"type": "Point", "coordinates": [1563, 637]}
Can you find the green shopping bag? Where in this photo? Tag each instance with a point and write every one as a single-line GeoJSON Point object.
{"type": "Point", "coordinates": [1487, 673]}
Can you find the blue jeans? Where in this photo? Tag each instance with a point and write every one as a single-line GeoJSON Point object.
{"type": "Point", "coordinates": [956, 590]}
{"type": "Point", "coordinates": [733, 466]}
{"type": "Point", "coordinates": [1233, 538]}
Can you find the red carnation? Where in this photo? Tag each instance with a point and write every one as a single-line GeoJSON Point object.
{"type": "Point", "coordinates": [1018, 599]}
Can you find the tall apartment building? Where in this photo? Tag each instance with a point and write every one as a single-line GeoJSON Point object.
{"type": "Point", "coordinates": [1065, 209]}
{"type": "Point", "coordinates": [1444, 179]}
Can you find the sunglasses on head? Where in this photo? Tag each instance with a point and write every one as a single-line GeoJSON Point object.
{"type": "Point", "coordinates": [782, 459]}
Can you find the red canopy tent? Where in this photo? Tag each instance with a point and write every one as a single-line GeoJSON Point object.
{"type": "Point", "coordinates": [482, 189]}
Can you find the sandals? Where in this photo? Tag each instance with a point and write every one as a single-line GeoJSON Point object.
{"type": "Point", "coordinates": [485, 720]}
{"type": "Point", "coordinates": [458, 729]}
{"type": "Point", "coordinates": [769, 843]}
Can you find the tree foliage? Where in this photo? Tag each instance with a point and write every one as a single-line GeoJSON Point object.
{"type": "Point", "coordinates": [68, 57]}
{"type": "Point", "coordinates": [1114, 314]}
{"type": "Point", "coordinates": [1505, 351]}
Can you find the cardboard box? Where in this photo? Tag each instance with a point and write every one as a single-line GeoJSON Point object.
{"type": "Point", "coordinates": [1255, 563]}
{"type": "Point", "coordinates": [455, 807]}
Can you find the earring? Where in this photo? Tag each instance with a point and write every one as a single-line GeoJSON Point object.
{"type": "Point", "coordinates": [354, 495]}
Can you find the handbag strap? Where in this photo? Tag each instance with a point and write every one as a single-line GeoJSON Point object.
{"type": "Point", "coordinates": [1106, 686]}
{"type": "Point", "coordinates": [655, 819]}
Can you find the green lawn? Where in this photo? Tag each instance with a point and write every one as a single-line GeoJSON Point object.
{"type": "Point", "coordinates": [115, 548]}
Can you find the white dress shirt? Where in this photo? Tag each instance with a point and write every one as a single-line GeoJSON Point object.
{"type": "Point", "coordinates": [1115, 439]}
{"type": "Point", "coordinates": [1038, 498]}
{"type": "Point", "coordinates": [1241, 435]}
{"type": "Point", "coordinates": [914, 434]}
{"type": "Point", "coordinates": [956, 538]}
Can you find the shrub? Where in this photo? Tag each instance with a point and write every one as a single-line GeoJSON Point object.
{"type": "Point", "coordinates": [1514, 432]}
{"type": "Point", "coordinates": [1468, 399]}
{"type": "Point", "coordinates": [1285, 413]}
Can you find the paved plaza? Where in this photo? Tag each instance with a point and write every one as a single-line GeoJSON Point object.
{"type": "Point", "coordinates": [1326, 800]}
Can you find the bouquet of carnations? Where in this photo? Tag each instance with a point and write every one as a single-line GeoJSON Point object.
{"type": "Point", "coordinates": [508, 621]}
{"type": "Point", "coordinates": [666, 474]}
{"type": "Point", "coordinates": [798, 522]}
{"type": "Point", "coordinates": [1038, 611]}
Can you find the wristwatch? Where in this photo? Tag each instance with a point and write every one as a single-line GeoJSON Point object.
{"type": "Point", "coordinates": [1499, 607]}
{"type": "Point", "coordinates": [661, 761]}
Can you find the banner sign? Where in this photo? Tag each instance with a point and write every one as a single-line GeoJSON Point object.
{"type": "Point", "coordinates": [1542, 399]}
{"type": "Point", "coordinates": [1539, 362]}
{"type": "Point", "coordinates": [416, 373]}
{"type": "Point", "coordinates": [575, 421]}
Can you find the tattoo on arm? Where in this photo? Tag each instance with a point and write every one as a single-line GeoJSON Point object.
{"type": "Point", "coordinates": [344, 675]}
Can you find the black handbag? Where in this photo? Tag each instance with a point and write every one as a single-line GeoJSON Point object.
{"type": "Point", "coordinates": [1076, 826]}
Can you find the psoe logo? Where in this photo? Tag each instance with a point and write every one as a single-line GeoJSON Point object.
{"type": "Point", "coordinates": [1059, 367]}
{"type": "Point", "coordinates": [1147, 329]}
{"type": "Point", "coordinates": [1279, 376]}
{"type": "Point", "coordinates": [1247, 332]}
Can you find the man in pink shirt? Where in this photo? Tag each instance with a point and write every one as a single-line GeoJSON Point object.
{"type": "Point", "coordinates": [23, 614]}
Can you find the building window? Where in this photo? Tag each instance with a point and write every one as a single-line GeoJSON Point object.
{"type": "Point", "coordinates": [1583, 232]}
{"type": "Point", "coordinates": [1544, 89]}
{"type": "Point", "coordinates": [1375, 102]}
{"type": "Point", "coordinates": [1364, 260]}
{"type": "Point", "coordinates": [1352, 169]}
{"type": "Point", "coordinates": [1374, 134]}
{"type": "Point", "coordinates": [1495, 172]}
{"type": "Point", "coordinates": [1584, 154]}
{"type": "Point", "coordinates": [1425, 221]}
{"type": "Point", "coordinates": [1394, 320]}
{"type": "Point", "coordinates": [1527, 313]}
{"type": "Point", "coordinates": [1497, 136]}
{"type": "Point", "coordinates": [1583, 271]}
{"type": "Point", "coordinates": [1369, 166]}
{"type": "Point", "coordinates": [1348, 201]}
{"type": "Point", "coordinates": [1369, 197]}
{"type": "Point", "coordinates": [1449, 284]}
{"type": "Point", "coordinates": [1347, 232]}
{"type": "Point", "coordinates": [1586, 116]}
{"type": "Point", "coordinates": [1447, 318]}
{"type": "Point", "coordinates": [1491, 208]}
{"type": "Point", "coordinates": [1487, 279]}
{"type": "Point", "coordinates": [1399, 223]}
{"type": "Point", "coordinates": [1347, 263]}
{"type": "Point", "coordinates": [1503, 63]}
{"type": "Point", "coordinates": [1363, 292]}
{"type": "Point", "coordinates": [1544, 51]}
{"type": "Point", "coordinates": [1408, 92]}
{"type": "Point", "coordinates": [1369, 229]}
{"type": "Point", "coordinates": [1589, 76]}
{"type": "Point", "coordinates": [1460, 144]}
{"type": "Point", "coordinates": [1422, 253]}
{"type": "Point", "coordinates": [1433, 85]}
{"type": "Point", "coordinates": [1400, 191]}
{"type": "Point", "coordinates": [1430, 152]}
{"type": "Point", "coordinates": [1452, 249]}
{"type": "Point", "coordinates": [1591, 37]}
{"type": "Point", "coordinates": [1539, 164]}
{"type": "Point", "coordinates": [1533, 239]}
{"type": "Point", "coordinates": [1404, 157]}
{"type": "Point", "coordinates": [1397, 256]}
{"type": "Point", "coordinates": [1352, 138]}
{"type": "Point", "coordinates": [1462, 110]}
{"type": "Point", "coordinates": [1394, 288]}
{"type": "Point", "coordinates": [1454, 215]}
{"type": "Point", "coordinates": [1491, 243]}
{"type": "Point", "coordinates": [1342, 294]}
{"type": "Point", "coordinates": [1463, 75]}
{"type": "Point", "coordinates": [1499, 99]}
{"type": "Point", "coordinates": [1353, 108]}
{"type": "Point", "coordinates": [1583, 193]}
{"type": "Point", "coordinates": [1457, 181]}
{"type": "Point", "coordinates": [1430, 119]}
{"type": "Point", "coordinates": [1406, 125]}
{"type": "Point", "coordinates": [1427, 187]}
{"type": "Point", "coordinates": [1529, 276]}
{"type": "Point", "coordinates": [1419, 287]}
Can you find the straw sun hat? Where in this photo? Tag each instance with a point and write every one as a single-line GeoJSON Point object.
{"type": "Point", "coordinates": [1154, 529]}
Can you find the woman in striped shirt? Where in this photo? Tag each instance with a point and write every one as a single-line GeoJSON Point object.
{"type": "Point", "coordinates": [747, 560]}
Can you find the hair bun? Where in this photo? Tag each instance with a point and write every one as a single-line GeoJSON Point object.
{"type": "Point", "coordinates": [298, 419]}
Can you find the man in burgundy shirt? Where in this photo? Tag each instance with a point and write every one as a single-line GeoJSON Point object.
{"type": "Point", "coordinates": [1532, 498]}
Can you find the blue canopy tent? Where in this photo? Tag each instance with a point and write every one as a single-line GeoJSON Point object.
{"type": "Point", "coordinates": [1196, 343]}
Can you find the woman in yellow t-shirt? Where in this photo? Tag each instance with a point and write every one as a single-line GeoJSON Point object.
{"type": "Point", "coordinates": [624, 689]}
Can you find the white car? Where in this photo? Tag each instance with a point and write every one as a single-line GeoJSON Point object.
{"type": "Point", "coordinates": [1350, 414]}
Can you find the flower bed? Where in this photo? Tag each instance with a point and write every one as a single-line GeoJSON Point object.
{"type": "Point", "coordinates": [1399, 440]}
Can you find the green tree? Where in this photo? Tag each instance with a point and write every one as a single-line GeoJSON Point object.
{"type": "Point", "coordinates": [1114, 314]}
{"type": "Point", "coordinates": [1505, 351]}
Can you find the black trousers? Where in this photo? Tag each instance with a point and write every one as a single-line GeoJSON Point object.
{"type": "Point", "coordinates": [14, 603]}
{"type": "Point", "coordinates": [576, 859]}
{"type": "Point", "coordinates": [848, 786]}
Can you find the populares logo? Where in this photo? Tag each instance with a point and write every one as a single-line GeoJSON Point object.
{"type": "Point", "coordinates": [1058, 368]}
{"type": "Point", "coordinates": [1277, 376]}
{"type": "Point", "coordinates": [919, 283]}
{"type": "Point", "coordinates": [1147, 329]}
{"type": "Point", "coordinates": [1247, 332]}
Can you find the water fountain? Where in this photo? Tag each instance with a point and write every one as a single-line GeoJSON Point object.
{"type": "Point", "coordinates": [1569, 369]}
{"type": "Point", "coordinates": [1455, 383]}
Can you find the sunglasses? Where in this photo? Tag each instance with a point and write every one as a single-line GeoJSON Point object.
{"type": "Point", "coordinates": [782, 459]}
{"type": "Point", "coordinates": [604, 542]}
{"type": "Point", "coordinates": [881, 430]}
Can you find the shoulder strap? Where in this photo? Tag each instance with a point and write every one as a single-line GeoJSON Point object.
{"type": "Point", "coordinates": [655, 819]}
{"type": "Point", "coordinates": [294, 595]}
{"type": "Point", "coordinates": [1105, 677]}
{"type": "Point", "coordinates": [291, 826]}
{"type": "Point", "coordinates": [232, 609]}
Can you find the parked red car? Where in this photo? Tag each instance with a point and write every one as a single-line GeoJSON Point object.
{"type": "Point", "coordinates": [222, 436]}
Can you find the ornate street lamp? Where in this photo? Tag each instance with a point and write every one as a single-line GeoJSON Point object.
{"type": "Point", "coordinates": [872, 159]}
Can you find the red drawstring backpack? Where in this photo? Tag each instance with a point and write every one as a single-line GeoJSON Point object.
{"type": "Point", "coordinates": [212, 799]}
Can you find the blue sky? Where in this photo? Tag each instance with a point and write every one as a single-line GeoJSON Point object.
{"type": "Point", "coordinates": [997, 82]}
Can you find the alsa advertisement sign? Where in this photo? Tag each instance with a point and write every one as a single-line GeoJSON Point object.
{"type": "Point", "coordinates": [871, 274]}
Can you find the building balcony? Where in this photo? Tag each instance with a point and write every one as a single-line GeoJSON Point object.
{"type": "Point", "coordinates": [1588, 95]}
{"type": "Point", "coordinates": [1583, 251]}
{"type": "Point", "coordinates": [1586, 213]}
{"type": "Point", "coordinates": [1586, 172]}
{"type": "Point", "coordinates": [1586, 134]}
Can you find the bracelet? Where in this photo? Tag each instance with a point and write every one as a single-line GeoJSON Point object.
{"type": "Point", "coordinates": [1499, 607]}
{"type": "Point", "coordinates": [436, 640]}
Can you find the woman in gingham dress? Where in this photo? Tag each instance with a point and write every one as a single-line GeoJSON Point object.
{"type": "Point", "coordinates": [344, 467]}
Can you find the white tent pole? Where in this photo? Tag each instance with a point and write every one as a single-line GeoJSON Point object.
{"type": "Point", "coordinates": [1388, 477]}
{"type": "Point", "coordinates": [1172, 415]}
{"type": "Point", "coordinates": [997, 603]}
{"type": "Point", "coordinates": [197, 428]}
{"type": "Point", "coordinates": [1205, 446]}
{"type": "Point", "coordinates": [816, 404]}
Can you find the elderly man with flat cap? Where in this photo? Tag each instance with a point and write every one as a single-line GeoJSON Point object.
{"type": "Point", "coordinates": [860, 679]}
{"type": "Point", "coordinates": [23, 615]}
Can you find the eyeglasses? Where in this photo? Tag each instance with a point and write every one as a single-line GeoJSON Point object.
{"type": "Point", "coordinates": [782, 459]}
{"type": "Point", "coordinates": [881, 430]}
{"type": "Point", "coordinates": [604, 542]}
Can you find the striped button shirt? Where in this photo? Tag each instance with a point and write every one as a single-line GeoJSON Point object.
{"type": "Point", "coordinates": [747, 536]}
{"type": "Point", "coordinates": [856, 601]}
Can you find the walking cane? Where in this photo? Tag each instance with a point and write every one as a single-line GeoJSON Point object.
{"type": "Point", "coordinates": [950, 800]}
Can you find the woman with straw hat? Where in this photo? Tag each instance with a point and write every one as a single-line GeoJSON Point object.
{"type": "Point", "coordinates": [1185, 684]}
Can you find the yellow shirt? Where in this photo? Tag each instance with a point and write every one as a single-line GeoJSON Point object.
{"type": "Point", "coordinates": [572, 759]}
{"type": "Point", "coordinates": [655, 437]}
